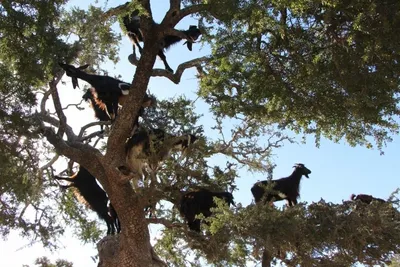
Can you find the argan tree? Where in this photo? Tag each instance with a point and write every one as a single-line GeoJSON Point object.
{"type": "Point", "coordinates": [323, 68]}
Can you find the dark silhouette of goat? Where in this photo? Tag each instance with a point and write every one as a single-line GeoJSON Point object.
{"type": "Point", "coordinates": [196, 202]}
{"type": "Point", "coordinates": [366, 198]}
{"type": "Point", "coordinates": [153, 146]}
{"type": "Point", "coordinates": [132, 26]}
{"type": "Point", "coordinates": [91, 194]}
{"type": "Point", "coordinates": [285, 188]}
{"type": "Point", "coordinates": [110, 91]}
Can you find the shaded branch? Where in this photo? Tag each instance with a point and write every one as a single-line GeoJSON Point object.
{"type": "Point", "coordinates": [185, 12]}
{"type": "Point", "coordinates": [58, 107]}
{"type": "Point", "coordinates": [114, 11]}
{"type": "Point", "coordinates": [83, 129]}
{"type": "Point", "coordinates": [76, 105]}
{"type": "Point", "coordinates": [90, 136]}
{"type": "Point", "coordinates": [54, 122]}
{"type": "Point", "coordinates": [174, 5]}
{"type": "Point", "coordinates": [173, 77]}
{"type": "Point", "coordinates": [167, 223]}
{"type": "Point", "coordinates": [48, 165]}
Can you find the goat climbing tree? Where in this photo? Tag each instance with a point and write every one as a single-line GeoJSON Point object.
{"type": "Point", "coordinates": [318, 68]}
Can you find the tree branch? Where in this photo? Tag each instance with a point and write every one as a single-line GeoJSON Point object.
{"type": "Point", "coordinates": [167, 223]}
{"type": "Point", "coordinates": [90, 136]}
{"type": "Point", "coordinates": [54, 122]}
{"type": "Point", "coordinates": [174, 5]}
{"type": "Point", "coordinates": [114, 11]}
{"type": "Point", "coordinates": [83, 129]}
{"type": "Point", "coordinates": [173, 20]}
{"type": "Point", "coordinates": [47, 165]}
{"type": "Point", "coordinates": [173, 77]}
{"type": "Point", "coordinates": [58, 107]}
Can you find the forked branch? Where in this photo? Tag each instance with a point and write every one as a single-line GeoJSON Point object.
{"type": "Point", "coordinates": [173, 77]}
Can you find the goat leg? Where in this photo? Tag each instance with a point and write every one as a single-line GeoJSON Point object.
{"type": "Point", "coordinates": [164, 59]}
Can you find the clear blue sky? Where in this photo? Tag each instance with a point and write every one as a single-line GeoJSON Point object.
{"type": "Point", "coordinates": [337, 169]}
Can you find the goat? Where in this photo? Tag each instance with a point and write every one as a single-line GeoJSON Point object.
{"type": "Point", "coordinates": [201, 201]}
{"type": "Point", "coordinates": [367, 199]}
{"type": "Point", "coordinates": [114, 217]}
{"type": "Point", "coordinates": [286, 188]}
{"type": "Point", "coordinates": [100, 109]}
{"type": "Point", "coordinates": [152, 147]}
{"type": "Point", "coordinates": [110, 91]}
{"type": "Point", "coordinates": [91, 194]}
{"type": "Point", "coordinates": [132, 25]}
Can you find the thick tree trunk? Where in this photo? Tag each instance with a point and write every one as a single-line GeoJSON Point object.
{"type": "Point", "coordinates": [111, 253]}
{"type": "Point", "coordinates": [132, 246]}
{"type": "Point", "coordinates": [266, 259]}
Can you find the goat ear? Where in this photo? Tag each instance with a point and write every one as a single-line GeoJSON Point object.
{"type": "Point", "coordinates": [189, 45]}
{"type": "Point", "coordinates": [75, 82]}
{"type": "Point", "coordinates": [83, 67]}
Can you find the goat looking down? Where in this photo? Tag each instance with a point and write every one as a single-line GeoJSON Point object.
{"type": "Point", "coordinates": [196, 202]}
{"type": "Point", "coordinates": [286, 188]}
{"type": "Point", "coordinates": [132, 25]}
{"type": "Point", "coordinates": [110, 91]}
{"type": "Point", "coordinates": [366, 198]}
{"type": "Point", "coordinates": [90, 193]}
{"type": "Point", "coordinates": [152, 147]}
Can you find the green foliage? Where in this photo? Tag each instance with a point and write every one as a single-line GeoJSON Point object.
{"type": "Point", "coordinates": [35, 36]}
{"type": "Point", "coordinates": [315, 67]}
{"type": "Point", "coordinates": [45, 262]}
{"type": "Point", "coordinates": [308, 235]}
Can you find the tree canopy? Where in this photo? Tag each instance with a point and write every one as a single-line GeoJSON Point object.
{"type": "Point", "coordinates": [322, 68]}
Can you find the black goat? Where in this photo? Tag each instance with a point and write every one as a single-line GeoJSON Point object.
{"type": "Point", "coordinates": [152, 147]}
{"type": "Point", "coordinates": [367, 199]}
{"type": "Point", "coordinates": [91, 194]}
{"type": "Point", "coordinates": [200, 202]}
{"type": "Point", "coordinates": [100, 109]}
{"type": "Point", "coordinates": [114, 217]}
{"type": "Point", "coordinates": [110, 91]}
{"type": "Point", "coordinates": [132, 26]}
{"type": "Point", "coordinates": [286, 188]}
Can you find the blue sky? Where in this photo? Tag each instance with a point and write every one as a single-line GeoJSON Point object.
{"type": "Point", "coordinates": [338, 170]}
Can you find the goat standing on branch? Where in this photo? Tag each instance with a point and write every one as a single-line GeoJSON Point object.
{"type": "Point", "coordinates": [367, 199]}
{"type": "Point", "coordinates": [286, 188]}
{"type": "Point", "coordinates": [152, 147]}
{"type": "Point", "coordinates": [90, 193]}
{"type": "Point", "coordinates": [200, 202]}
{"type": "Point", "coordinates": [110, 91]}
{"type": "Point", "coordinates": [131, 24]}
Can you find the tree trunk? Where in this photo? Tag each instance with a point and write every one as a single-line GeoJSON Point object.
{"type": "Point", "coordinates": [266, 258]}
{"type": "Point", "coordinates": [132, 246]}
{"type": "Point", "coordinates": [112, 253]}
